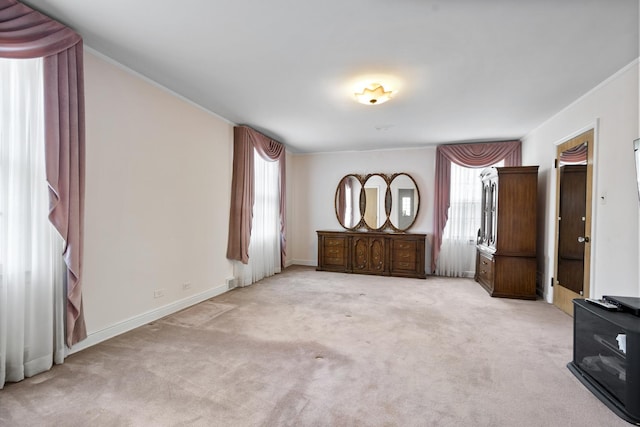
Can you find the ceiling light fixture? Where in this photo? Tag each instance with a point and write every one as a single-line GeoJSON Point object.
{"type": "Point", "coordinates": [373, 94]}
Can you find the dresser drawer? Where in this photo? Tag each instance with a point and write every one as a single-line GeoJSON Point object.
{"type": "Point", "coordinates": [406, 245]}
{"type": "Point", "coordinates": [330, 261]}
{"type": "Point", "coordinates": [403, 266]}
{"type": "Point", "coordinates": [334, 251]}
{"type": "Point", "coordinates": [334, 242]}
{"type": "Point", "coordinates": [485, 269]}
{"type": "Point", "coordinates": [404, 256]}
{"type": "Point", "coordinates": [404, 259]}
{"type": "Point", "coordinates": [404, 250]}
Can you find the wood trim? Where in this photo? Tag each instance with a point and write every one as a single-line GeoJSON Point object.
{"type": "Point", "coordinates": [562, 297]}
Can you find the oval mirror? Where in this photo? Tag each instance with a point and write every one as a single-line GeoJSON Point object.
{"type": "Point", "coordinates": [405, 201]}
{"type": "Point", "coordinates": [347, 202]}
{"type": "Point", "coordinates": [375, 195]}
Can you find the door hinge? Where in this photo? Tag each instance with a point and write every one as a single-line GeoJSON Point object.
{"type": "Point", "coordinates": [552, 282]}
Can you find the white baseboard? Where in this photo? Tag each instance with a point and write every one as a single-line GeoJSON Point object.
{"type": "Point", "coordinates": [144, 318]}
{"type": "Point", "coordinates": [313, 263]}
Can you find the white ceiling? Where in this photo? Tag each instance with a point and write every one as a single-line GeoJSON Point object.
{"type": "Point", "coordinates": [465, 70]}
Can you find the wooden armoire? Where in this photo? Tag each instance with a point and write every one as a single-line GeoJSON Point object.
{"type": "Point", "coordinates": [506, 247]}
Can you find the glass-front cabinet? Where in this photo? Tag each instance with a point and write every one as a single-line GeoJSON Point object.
{"type": "Point", "coordinates": [487, 232]}
{"type": "Point", "coordinates": [486, 214]}
{"type": "Point", "coordinates": [493, 206]}
{"type": "Point", "coordinates": [506, 256]}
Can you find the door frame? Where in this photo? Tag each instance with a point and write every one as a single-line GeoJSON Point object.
{"type": "Point", "coordinates": [562, 297]}
{"type": "Point", "coordinates": [370, 192]}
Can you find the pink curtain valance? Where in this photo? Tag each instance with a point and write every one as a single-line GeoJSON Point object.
{"type": "Point", "coordinates": [577, 154]}
{"type": "Point", "coordinates": [25, 33]}
{"type": "Point", "coordinates": [477, 155]}
{"type": "Point", "coordinates": [480, 155]}
{"type": "Point", "coordinates": [267, 148]}
{"type": "Point", "coordinates": [245, 139]}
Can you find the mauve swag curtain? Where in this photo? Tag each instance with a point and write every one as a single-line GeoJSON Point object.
{"type": "Point", "coordinates": [245, 140]}
{"type": "Point", "coordinates": [471, 156]}
{"type": "Point", "coordinates": [25, 33]}
{"type": "Point", "coordinates": [575, 155]}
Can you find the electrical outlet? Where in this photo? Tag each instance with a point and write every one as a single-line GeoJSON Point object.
{"type": "Point", "coordinates": [158, 293]}
{"type": "Point", "coordinates": [186, 286]}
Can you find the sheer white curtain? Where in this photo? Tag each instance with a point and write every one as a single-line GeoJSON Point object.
{"type": "Point", "coordinates": [31, 263]}
{"type": "Point", "coordinates": [348, 205]}
{"type": "Point", "coordinates": [458, 251]}
{"type": "Point", "coordinates": [264, 246]}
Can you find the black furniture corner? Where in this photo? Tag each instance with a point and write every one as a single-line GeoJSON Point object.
{"type": "Point", "coordinates": [606, 357]}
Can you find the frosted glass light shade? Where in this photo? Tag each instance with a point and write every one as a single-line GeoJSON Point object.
{"type": "Point", "coordinates": [373, 94]}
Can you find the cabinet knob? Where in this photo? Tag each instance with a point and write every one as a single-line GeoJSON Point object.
{"type": "Point", "coordinates": [584, 239]}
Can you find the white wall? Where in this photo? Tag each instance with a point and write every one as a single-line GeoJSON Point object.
{"type": "Point", "coordinates": [613, 108]}
{"type": "Point", "coordinates": [290, 232]}
{"type": "Point", "coordinates": [158, 178]}
{"type": "Point", "coordinates": [314, 178]}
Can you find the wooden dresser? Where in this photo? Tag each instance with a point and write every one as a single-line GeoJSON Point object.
{"type": "Point", "coordinates": [368, 252]}
{"type": "Point", "coordinates": [506, 257]}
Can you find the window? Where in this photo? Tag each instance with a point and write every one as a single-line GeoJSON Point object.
{"type": "Point", "coordinates": [264, 246]}
{"type": "Point", "coordinates": [457, 253]}
{"type": "Point", "coordinates": [406, 206]}
{"type": "Point", "coordinates": [31, 263]}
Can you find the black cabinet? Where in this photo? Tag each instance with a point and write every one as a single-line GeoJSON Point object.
{"type": "Point", "coordinates": [606, 357]}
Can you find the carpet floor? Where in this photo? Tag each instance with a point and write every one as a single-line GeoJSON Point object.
{"type": "Point", "coordinates": [308, 348]}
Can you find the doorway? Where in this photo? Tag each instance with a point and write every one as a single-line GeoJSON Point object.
{"type": "Point", "coordinates": [371, 209]}
{"type": "Point", "coordinates": [574, 184]}
{"type": "Point", "coordinates": [406, 214]}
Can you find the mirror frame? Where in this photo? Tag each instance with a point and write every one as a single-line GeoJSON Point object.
{"type": "Point", "coordinates": [382, 203]}
{"type": "Point", "coordinates": [358, 224]}
{"type": "Point", "coordinates": [388, 202]}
